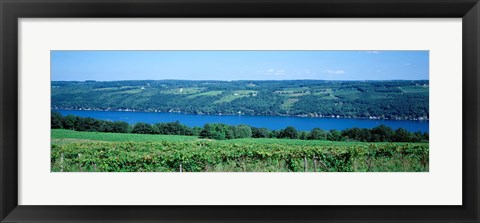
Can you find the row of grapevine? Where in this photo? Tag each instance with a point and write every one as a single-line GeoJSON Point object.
{"type": "Point", "coordinates": [200, 156]}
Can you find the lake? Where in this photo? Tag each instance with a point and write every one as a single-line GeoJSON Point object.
{"type": "Point", "coordinates": [269, 122]}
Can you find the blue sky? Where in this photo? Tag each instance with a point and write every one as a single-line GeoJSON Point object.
{"type": "Point", "coordinates": [239, 65]}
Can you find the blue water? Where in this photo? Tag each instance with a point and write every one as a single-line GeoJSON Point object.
{"type": "Point", "coordinates": [269, 122]}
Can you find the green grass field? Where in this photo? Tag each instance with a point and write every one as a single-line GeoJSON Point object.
{"type": "Point", "coordinates": [187, 91]}
{"type": "Point", "coordinates": [207, 93]}
{"type": "Point", "coordinates": [235, 95]}
{"type": "Point", "coordinates": [415, 89]}
{"type": "Point", "coordinates": [63, 134]}
{"type": "Point", "coordinates": [117, 152]}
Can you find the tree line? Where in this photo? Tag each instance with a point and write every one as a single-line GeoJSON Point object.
{"type": "Point", "coordinates": [219, 131]}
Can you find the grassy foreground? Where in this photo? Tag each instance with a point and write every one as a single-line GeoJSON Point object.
{"type": "Point", "coordinates": [119, 152]}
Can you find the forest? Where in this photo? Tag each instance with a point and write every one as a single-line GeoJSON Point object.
{"type": "Point", "coordinates": [397, 99]}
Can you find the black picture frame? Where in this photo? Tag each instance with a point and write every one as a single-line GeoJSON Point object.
{"type": "Point", "coordinates": [12, 10]}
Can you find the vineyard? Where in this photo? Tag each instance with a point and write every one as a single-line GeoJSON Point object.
{"type": "Point", "coordinates": [114, 152]}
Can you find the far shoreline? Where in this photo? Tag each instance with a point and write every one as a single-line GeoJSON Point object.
{"type": "Point", "coordinates": [240, 114]}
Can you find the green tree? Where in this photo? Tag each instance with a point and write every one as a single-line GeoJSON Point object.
{"type": "Point", "coordinates": [243, 131]}
{"type": "Point", "coordinates": [260, 132]}
{"type": "Point", "coordinates": [68, 122]}
{"type": "Point", "coordinates": [274, 134]}
{"type": "Point", "coordinates": [334, 135]}
{"type": "Point", "coordinates": [228, 130]}
{"type": "Point", "coordinates": [120, 127]}
{"type": "Point", "coordinates": [56, 120]}
{"type": "Point", "coordinates": [215, 131]}
{"type": "Point", "coordinates": [382, 133]}
{"type": "Point", "coordinates": [87, 124]}
{"type": "Point", "coordinates": [196, 131]}
{"type": "Point", "coordinates": [208, 131]}
{"type": "Point", "coordinates": [290, 132]}
{"type": "Point", "coordinates": [402, 135]}
{"type": "Point", "coordinates": [365, 135]}
{"type": "Point", "coordinates": [303, 135]}
{"type": "Point", "coordinates": [142, 128]}
{"type": "Point", "coordinates": [317, 134]}
{"type": "Point", "coordinates": [105, 126]}
{"type": "Point", "coordinates": [425, 136]}
{"type": "Point", "coordinates": [416, 137]}
{"type": "Point", "coordinates": [352, 133]}
{"type": "Point", "coordinates": [172, 128]}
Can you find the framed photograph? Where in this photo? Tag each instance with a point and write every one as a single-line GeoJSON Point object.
{"type": "Point", "coordinates": [234, 111]}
